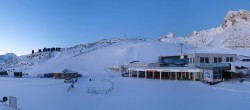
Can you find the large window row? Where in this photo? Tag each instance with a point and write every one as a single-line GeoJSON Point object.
{"type": "Point", "coordinates": [216, 59]}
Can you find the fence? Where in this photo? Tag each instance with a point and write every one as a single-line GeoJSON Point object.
{"type": "Point", "coordinates": [102, 90]}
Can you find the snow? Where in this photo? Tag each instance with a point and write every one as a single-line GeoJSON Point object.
{"type": "Point", "coordinates": [4, 107]}
{"type": "Point", "coordinates": [168, 38]}
{"type": "Point", "coordinates": [128, 93]}
{"type": "Point", "coordinates": [6, 57]}
{"type": "Point", "coordinates": [232, 33]}
{"type": "Point", "coordinates": [98, 60]}
{"type": "Point", "coordinates": [93, 59]}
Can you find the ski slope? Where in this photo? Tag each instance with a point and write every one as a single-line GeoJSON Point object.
{"type": "Point", "coordinates": [128, 93]}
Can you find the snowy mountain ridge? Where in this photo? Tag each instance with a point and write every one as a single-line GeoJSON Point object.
{"type": "Point", "coordinates": [84, 48]}
{"type": "Point", "coordinates": [13, 63]}
{"type": "Point", "coordinates": [7, 57]}
{"type": "Point", "coordinates": [234, 17]}
{"type": "Point", "coordinates": [233, 33]}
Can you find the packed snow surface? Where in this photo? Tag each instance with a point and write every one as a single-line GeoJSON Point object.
{"type": "Point", "coordinates": [128, 94]}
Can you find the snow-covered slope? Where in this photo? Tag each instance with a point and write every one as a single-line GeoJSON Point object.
{"type": "Point", "coordinates": [170, 38]}
{"type": "Point", "coordinates": [232, 33]}
{"type": "Point", "coordinates": [98, 60]}
{"type": "Point", "coordinates": [6, 57]}
{"type": "Point", "coordinates": [26, 62]}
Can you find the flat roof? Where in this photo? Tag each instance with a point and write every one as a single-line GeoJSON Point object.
{"type": "Point", "coordinates": [166, 69]}
{"type": "Point", "coordinates": [214, 53]}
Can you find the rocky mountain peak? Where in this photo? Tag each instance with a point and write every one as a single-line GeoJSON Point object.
{"type": "Point", "coordinates": [234, 17]}
{"type": "Point", "coordinates": [170, 36]}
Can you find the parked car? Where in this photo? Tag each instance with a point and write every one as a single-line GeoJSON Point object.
{"type": "Point", "coordinates": [68, 80]}
{"type": "Point", "coordinates": [125, 74]}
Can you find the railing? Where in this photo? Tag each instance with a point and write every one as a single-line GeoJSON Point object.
{"type": "Point", "coordinates": [102, 90]}
{"type": "Point", "coordinates": [212, 64]}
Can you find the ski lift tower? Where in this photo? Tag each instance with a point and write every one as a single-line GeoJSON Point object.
{"type": "Point", "coordinates": [181, 44]}
{"type": "Point", "coordinates": [186, 44]}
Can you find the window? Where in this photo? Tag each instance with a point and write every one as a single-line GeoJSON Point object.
{"type": "Point", "coordinates": [202, 60]}
{"type": "Point", "coordinates": [229, 59]}
{"type": "Point", "coordinates": [217, 59]}
{"type": "Point", "coordinates": [206, 60]}
{"type": "Point", "coordinates": [193, 60]}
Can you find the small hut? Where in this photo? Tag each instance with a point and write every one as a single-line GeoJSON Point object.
{"type": "Point", "coordinates": [18, 74]}
{"type": "Point", "coordinates": [66, 73]}
{"type": "Point", "coordinates": [70, 75]}
{"type": "Point", "coordinates": [48, 75]}
{"type": "Point", "coordinates": [3, 73]}
{"type": "Point", "coordinates": [58, 75]}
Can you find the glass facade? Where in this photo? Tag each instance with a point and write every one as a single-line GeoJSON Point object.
{"type": "Point", "coordinates": [174, 61]}
{"type": "Point", "coordinates": [217, 74]}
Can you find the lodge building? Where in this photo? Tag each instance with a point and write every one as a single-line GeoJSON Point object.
{"type": "Point", "coordinates": [207, 67]}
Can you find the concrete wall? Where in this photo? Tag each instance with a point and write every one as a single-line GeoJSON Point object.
{"type": "Point", "coordinates": [211, 56]}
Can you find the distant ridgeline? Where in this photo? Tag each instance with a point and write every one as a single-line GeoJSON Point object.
{"type": "Point", "coordinates": [48, 49]}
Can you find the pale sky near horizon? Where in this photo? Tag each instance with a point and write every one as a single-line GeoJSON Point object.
{"type": "Point", "coordinates": [27, 25]}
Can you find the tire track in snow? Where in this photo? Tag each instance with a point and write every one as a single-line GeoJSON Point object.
{"type": "Point", "coordinates": [225, 89]}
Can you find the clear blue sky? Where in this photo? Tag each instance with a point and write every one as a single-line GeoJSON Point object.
{"type": "Point", "coordinates": [33, 24]}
